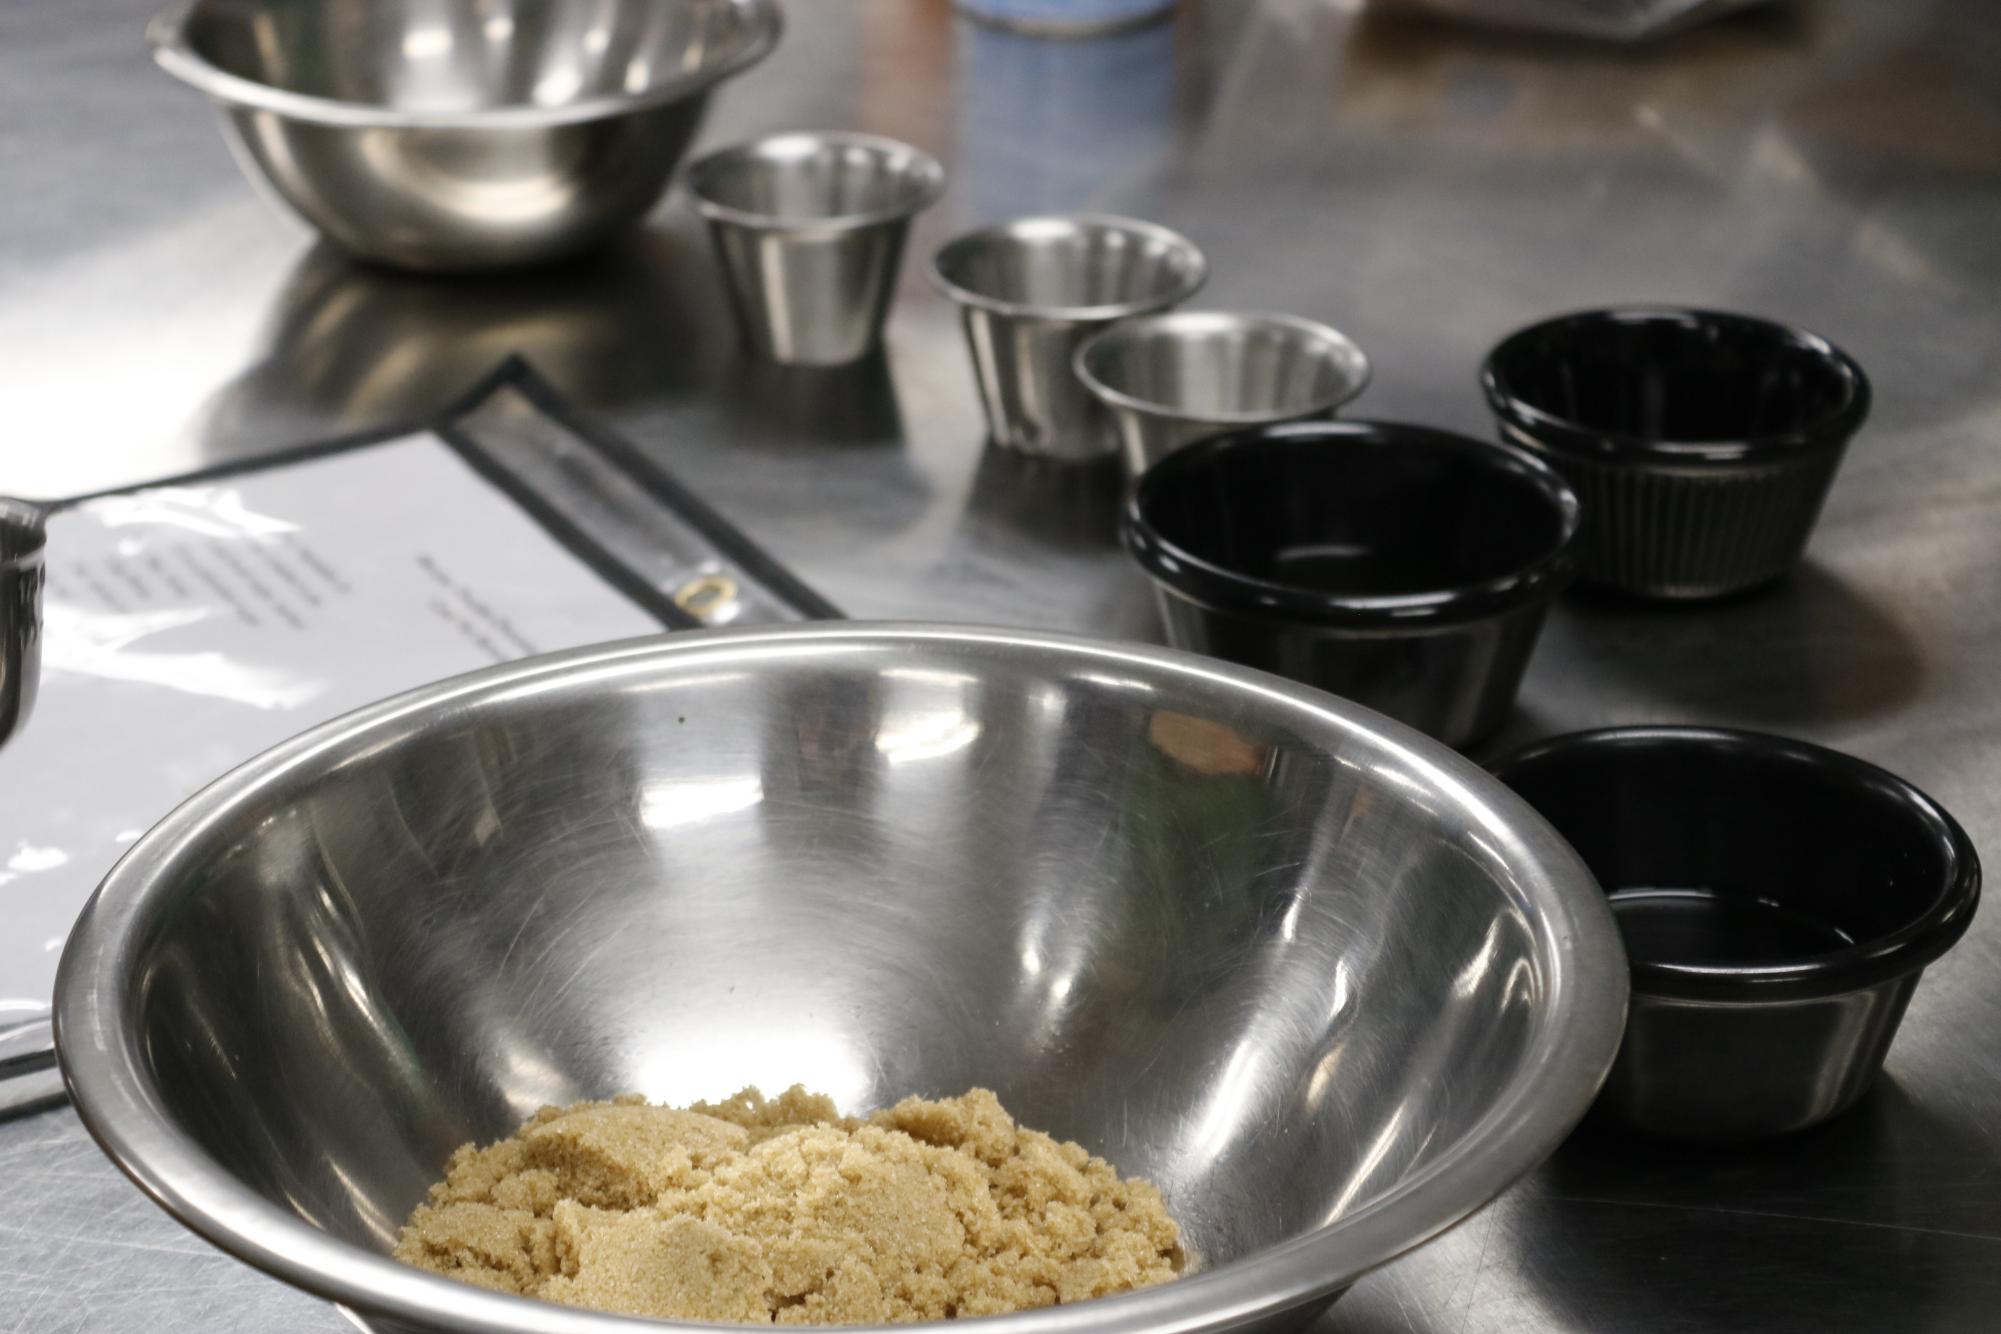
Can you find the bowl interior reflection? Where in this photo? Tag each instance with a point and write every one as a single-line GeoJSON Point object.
{"type": "Point", "coordinates": [468, 55]}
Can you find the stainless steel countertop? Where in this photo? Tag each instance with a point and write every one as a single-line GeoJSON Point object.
{"type": "Point", "coordinates": [1425, 189]}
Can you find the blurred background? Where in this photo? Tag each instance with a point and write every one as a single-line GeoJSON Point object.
{"type": "Point", "coordinates": [1423, 183]}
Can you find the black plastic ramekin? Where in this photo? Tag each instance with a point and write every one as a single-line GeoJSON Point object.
{"type": "Point", "coordinates": [1778, 901]}
{"type": "Point", "coordinates": [1701, 443]}
{"type": "Point", "coordinates": [1406, 568]}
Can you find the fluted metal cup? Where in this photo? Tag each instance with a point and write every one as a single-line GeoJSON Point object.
{"type": "Point", "coordinates": [1170, 380]}
{"type": "Point", "coordinates": [809, 228]}
{"type": "Point", "coordinates": [1032, 290]}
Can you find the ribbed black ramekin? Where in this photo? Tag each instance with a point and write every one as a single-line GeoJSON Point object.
{"type": "Point", "coordinates": [1701, 443]}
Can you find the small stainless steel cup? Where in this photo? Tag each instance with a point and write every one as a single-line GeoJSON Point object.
{"type": "Point", "coordinates": [1170, 380]}
{"type": "Point", "coordinates": [809, 228]}
{"type": "Point", "coordinates": [1032, 290]}
{"type": "Point", "coordinates": [21, 542]}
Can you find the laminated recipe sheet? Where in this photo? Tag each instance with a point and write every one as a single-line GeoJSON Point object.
{"type": "Point", "coordinates": [190, 624]}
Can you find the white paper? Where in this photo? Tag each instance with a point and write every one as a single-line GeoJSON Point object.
{"type": "Point", "coordinates": [187, 628]}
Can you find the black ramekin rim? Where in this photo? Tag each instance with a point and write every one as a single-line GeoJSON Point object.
{"type": "Point", "coordinates": [1236, 593]}
{"type": "Point", "coordinates": [1565, 436]}
{"type": "Point", "coordinates": [1867, 963]}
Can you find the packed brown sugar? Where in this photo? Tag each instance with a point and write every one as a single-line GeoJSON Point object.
{"type": "Point", "coordinates": [763, 1210]}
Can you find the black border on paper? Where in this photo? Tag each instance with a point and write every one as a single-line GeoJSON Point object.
{"type": "Point", "coordinates": [568, 534]}
{"type": "Point", "coordinates": [518, 374]}
{"type": "Point", "coordinates": [720, 533]}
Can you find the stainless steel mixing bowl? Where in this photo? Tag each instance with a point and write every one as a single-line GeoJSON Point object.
{"type": "Point", "coordinates": [1328, 984]}
{"type": "Point", "coordinates": [463, 134]}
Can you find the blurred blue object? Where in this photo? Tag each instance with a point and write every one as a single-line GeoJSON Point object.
{"type": "Point", "coordinates": [1064, 18]}
{"type": "Point", "coordinates": [1110, 103]}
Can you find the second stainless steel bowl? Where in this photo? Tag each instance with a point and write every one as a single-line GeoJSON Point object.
{"type": "Point", "coordinates": [1326, 983]}
{"type": "Point", "coordinates": [1779, 902]}
{"type": "Point", "coordinates": [453, 134]}
{"type": "Point", "coordinates": [1170, 380]}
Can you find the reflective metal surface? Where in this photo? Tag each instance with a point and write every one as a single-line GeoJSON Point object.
{"type": "Point", "coordinates": [1326, 984]}
{"type": "Point", "coordinates": [1169, 380]}
{"type": "Point", "coordinates": [1031, 291]}
{"type": "Point", "coordinates": [1424, 187]}
{"type": "Point", "coordinates": [809, 228]}
{"type": "Point", "coordinates": [453, 134]}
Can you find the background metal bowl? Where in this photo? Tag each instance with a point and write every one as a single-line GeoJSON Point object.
{"type": "Point", "coordinates": [457, 134]}
{"type": "Point", "coordinates": [1328, 984]}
